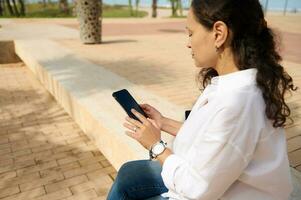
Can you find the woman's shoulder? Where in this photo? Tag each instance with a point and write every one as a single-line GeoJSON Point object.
{"type": "Point", "coordinates": [238, 103]}
{"type": "Point", "coordinates": [240, 98]}
{"type": "Point", "coordinates": [239, 110]}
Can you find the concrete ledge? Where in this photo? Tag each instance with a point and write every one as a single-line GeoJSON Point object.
{"type": "Point", "coordinates": [296, 178]}
{"type": "Point", "coordinates": [85, 91]}
{"type": "Point", "coordinates": [7, 52]}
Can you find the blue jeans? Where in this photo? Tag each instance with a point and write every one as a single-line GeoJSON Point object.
{"type": "Point", "coordinates": [140, 179]}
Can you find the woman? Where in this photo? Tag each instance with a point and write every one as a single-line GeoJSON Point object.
{"type": "Point", "coordinates": [232, 146]}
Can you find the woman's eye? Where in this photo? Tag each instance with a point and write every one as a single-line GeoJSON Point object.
{"type": "Point", "coordinates": [190, 35]}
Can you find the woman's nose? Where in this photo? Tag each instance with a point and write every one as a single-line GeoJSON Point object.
{"type": "Point", "coordinates": [188, 45]}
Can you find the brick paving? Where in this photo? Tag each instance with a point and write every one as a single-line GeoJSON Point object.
{"type": "Point", "coordinates": [289, 47]}
{"type": "Point", "coordinates": [43, 153]}
{"type": "Point", "coordinates": [293, 132]}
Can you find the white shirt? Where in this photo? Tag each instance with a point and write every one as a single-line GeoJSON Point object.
{"type": "Point", "coordinates": [227, 148]}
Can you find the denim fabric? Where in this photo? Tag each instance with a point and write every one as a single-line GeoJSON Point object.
{"type": "Point", "coordinates": [140, 179]}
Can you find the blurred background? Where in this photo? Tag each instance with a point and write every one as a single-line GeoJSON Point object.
{"type": "Point", "coordinates": [122, 8]}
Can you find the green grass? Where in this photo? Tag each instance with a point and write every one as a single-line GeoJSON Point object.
{"type": "Point", "coordinates": [184, 16]}
{"type": "Point", "coordinates": [120, 11]}
{"type": "Point", "coordinates": [36, 10]}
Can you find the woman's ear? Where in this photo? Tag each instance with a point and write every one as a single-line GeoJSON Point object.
{"type": "Point", "coordinates": [220, 31]}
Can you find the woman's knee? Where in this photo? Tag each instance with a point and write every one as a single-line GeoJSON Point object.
{"type": "Point", "coordinates": [127, 171]}
{"type": "Point", "coordinates": [129, 167]}
{"type": "Point", "coordinates": [137, 174]}
{"type": "Point", "coordinates": [137, 169]}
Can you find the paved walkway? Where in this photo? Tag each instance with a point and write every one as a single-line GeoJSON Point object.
{"type": "Point", "coordinates": [43, 153]}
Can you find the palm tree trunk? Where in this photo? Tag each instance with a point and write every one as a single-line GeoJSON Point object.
{"type": "Point", "coordinates": [2, 5]}
{"type": "Point", "coordinates": [15, 8]}
{"type": "Point", "coordinates": [131, 8]}
{"type": "Point", "coordinates": [173, 7]}
{"type": "Point", "coordinates": [22, 7]}
{"type": "Point", "coordinates": [74, 2]}
{"type": "Point", "coordinates": [154, 9]}
{"type": "Point", "coordinates": [285, 7]}
{"type": "Point", "coordinates": [63, 6]}
{"type": "Point", "coordinates": [1, 8]}
{"type": "Point", "coordinates": [88, 12]}
{"type": "Point", "coordinates": [137, 7]}
{"type": "Point", "coordinates": [10, 9]}
{"type": "Point", "coordinates": [44, 4]}
{"type": "Point", "coordinates": [180, 7]}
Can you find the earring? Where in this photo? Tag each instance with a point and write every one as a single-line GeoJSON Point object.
{"type": "Point", "coordinates": [216, 48]}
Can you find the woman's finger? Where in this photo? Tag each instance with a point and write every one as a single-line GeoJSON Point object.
{"type": "Point", "coordinates": [139, 116]}
{"type": "Point", "coordinates": [144, 107]}
{"type": "Point", "coordinates": [134, 122]}
{"type": "Point", "coordinates": [131, 134]}
{"type": "Point", "coordinates": [129, 126]}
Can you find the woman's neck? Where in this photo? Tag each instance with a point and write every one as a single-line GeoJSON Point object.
{"type": "Point", "coordinates": [226, 63]}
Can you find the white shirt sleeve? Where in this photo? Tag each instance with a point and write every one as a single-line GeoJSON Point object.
{"type": "Point", "coordinates": [213, 162]}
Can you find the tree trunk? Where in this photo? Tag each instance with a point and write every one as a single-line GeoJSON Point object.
{"type": "Point", "coordinates": [137, 7]}
{"type": "Point", "coordinates": [1, 8]}
{"type": "Point", "coordinates": [2, 5]}
{"type": "Point", "coordinates": [88, 12]}
{"type": "Point", "coordinates": [173, 8]}
{"type": "Point", "coordinates": [10, 9]}
{"type": "Point", "coordinates": [154, 9]}
{"type": "Point", "coordinates": [180, 7]}
{"type": "Point", "coordinates": [74, 2]}
{"type": "Point", "coordinates": [285, 7]}
{"type": "Point", "coordinates": [15, 8]}
{"type": "Point", "coordinates": [22, 7]}
{"type": "Point", "coordinates": [131, 8]}
{"type": "Point", "coordinates": [63, 6]}
{"type": "Point", "coordinates": [44, 4]}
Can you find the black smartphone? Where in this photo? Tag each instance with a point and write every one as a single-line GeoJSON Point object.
{"type": "Point", "coordinates": [127, 102]}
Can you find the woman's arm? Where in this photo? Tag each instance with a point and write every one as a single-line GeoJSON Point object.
{"type": "Point", "coordinates": [218, 155]}
{"type": "Point", "coordinates": [171, 126]}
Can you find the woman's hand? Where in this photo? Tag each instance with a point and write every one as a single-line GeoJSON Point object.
{"type": "Point", "coordinates": [155, 116]}
{"type": "Point", "coordinates": [146, 134]}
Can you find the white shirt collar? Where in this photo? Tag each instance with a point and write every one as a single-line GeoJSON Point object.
{"type": "Point", "coordinates": [235, 79]}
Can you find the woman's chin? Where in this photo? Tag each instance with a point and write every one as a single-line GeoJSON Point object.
{"type": "Point", "coordinates": [200, 64]}
{"type": "Point", "coordinates": [197, 64]}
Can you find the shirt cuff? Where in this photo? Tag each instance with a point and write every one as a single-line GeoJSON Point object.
{"type": "Point", "coordinates": [169, 167]}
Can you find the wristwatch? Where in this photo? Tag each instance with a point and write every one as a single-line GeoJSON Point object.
{"type": "Point", "coordinates": [157, 149]}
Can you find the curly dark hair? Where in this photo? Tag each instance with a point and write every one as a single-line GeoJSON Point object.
{"type": "Point", "coordinates": [253, 45]}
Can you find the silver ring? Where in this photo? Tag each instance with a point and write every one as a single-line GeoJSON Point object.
{"type": "Point", "coordinates": [135, 129]}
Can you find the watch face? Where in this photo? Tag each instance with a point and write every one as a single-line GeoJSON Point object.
{"type": "Point", "coordinates": [158, 148]}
